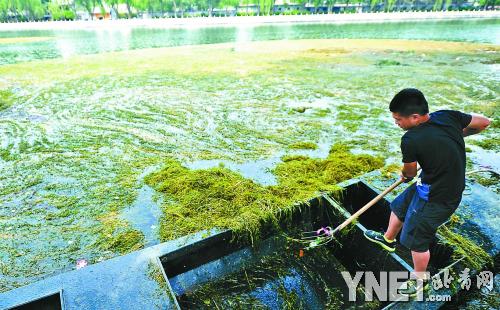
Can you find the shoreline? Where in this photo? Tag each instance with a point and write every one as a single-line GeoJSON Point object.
{"type": "Point", "coordinates": [250, 20]}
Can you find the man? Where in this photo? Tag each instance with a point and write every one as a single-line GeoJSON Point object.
{"type": "Point", "coordinates": [434, 141]}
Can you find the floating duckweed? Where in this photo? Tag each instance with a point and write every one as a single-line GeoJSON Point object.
{"type": "Point", "coordinates": [303, 145]}
{"type": "Point", "coordinates": [219, 197]}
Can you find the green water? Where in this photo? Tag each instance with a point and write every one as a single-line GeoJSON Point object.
{"type": "Point", "coordinates": [66, 43]}
{"type": "Point", "coordinates": [79, 134]}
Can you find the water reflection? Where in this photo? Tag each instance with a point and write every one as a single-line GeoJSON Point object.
{"type": "Point", "coordinates": [71, 42]}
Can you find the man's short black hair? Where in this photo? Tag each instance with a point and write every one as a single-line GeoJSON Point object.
{"type": "Point", "coordinates": [409, 101]}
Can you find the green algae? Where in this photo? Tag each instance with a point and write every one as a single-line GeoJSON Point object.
{"type": "Point", "coordinates": [389, 171]}
{"type": "Point", "coordinates": [126, 241]}
{"type": "Point", "coordinates": [488, 144]}
{"type": "Point", "coordinates": [209, 198]}
{"type": "Point", "coordinates": [6, 99]}
{"type": "Point", "coordinates": [488, 179]}
{"type": "Point", "coordinates": [234, 291]}
{"type": "Point", "coordinates": [218, 197]}
{"type": "Point", "coordinates": [78, 141]}
{"type": "Point", "coordinates": [155, 273]}
{"type": "Point", "coordinates": [303, 145]}
{"type": "Point", "coordinates": [473, 255]}
{"type": "Point", "coordinates": [388, 62]}
{"type": "Point", "coordinates": [303, 176]}
{"type": "Point", "coordinates": [279, 280]}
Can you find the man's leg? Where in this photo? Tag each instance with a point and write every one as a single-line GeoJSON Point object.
{"type": "Point", "coordinates": [387, 240]}
{"type": "Point", "coordinates": [420, 262]}
{"type": "Point", "coordinates": [399, 206]}
{"type": "Point", "coordinates": [394, 227]}
{"type": "Point", "coordinates": [419, 279]}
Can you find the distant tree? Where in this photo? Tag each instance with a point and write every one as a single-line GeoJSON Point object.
{"type": "Point", "coordinates": [390, 5]}
{"type": "Point", "coordinates": [55, 10]}
{"type": "Point", "coordinates": [211, 5]}
{"type": "Point", "coordinates": [139, 5]}
{"type": "Point", "coordinates": [113, 4]}
{"type": "Point", "coordinates": [330, 4]}
{"type": "Point", "coordinates": [226, 4]}
{"type": "Point", "coordinates": [489, 4]}
{"type": "Point", "coordinates": [33, 9]}
{"type": "Point", "coordinates": [89, 6]}
{"type": "Point", "coordinates": [4, 10]}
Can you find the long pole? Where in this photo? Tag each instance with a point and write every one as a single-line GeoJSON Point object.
{"type": "Point", "coordinates": [368, 205]}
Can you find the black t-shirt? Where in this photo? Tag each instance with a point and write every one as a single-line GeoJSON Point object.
{"type": "Point", "coordinates": [438, 146]}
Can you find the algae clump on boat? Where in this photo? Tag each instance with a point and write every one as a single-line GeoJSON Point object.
{"type": "Point", "coordinates": [221, 198]}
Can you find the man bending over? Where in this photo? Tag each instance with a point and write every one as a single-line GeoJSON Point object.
{"type": "Point", "coordinates": [436, 142]}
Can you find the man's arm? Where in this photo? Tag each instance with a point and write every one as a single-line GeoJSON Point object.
{"type": "Point", "coordinates": [477, 124]}
{"type": "Point", "coordinates": [409, 171]}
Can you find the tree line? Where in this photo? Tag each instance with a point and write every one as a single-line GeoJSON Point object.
{"type": "Point", "coordinates": [36, 10]}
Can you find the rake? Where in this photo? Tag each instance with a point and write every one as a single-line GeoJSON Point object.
{"type": "Point", "coordinates": [327, 234]}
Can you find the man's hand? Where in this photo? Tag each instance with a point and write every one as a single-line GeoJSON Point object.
{"type": "Point", "coordinates": [405, 179]}
{"type": "Point", "coordinates": [409, 171]}
{"type": "Point", "coordinates": [477, 124]}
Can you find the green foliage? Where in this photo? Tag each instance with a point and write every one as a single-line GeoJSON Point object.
{"type": "Point", "coordinates": [22, 10]}
{"type": "Point", "coordinates": [59, 12]}
{"type": "Point", "coordinates": [69, 15]}
{"type": "Point", "coordinates": [437, 5]}
{"type": "Point", "coordinates": [88, 5]}
{"type": "Point", "coordinates": [55, 11]}
{"type": "Point", "coordinates": [25, 10]}
{"type": "Point", "coordinates": [245, 14]}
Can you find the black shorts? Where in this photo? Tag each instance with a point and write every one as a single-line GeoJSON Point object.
{"type": "Point", "coordinates": [421, 218]}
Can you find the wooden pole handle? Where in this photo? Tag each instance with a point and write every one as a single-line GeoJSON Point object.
{"type": "Point", "coordinates": [368, 205]}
